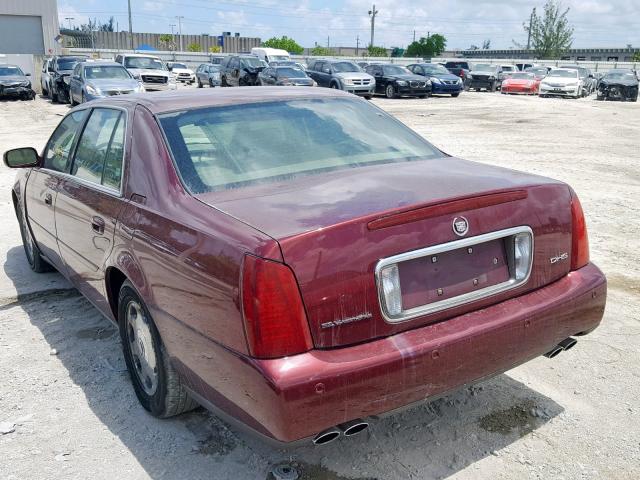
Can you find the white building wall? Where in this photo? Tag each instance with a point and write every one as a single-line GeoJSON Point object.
{"type": "Point", "coordinates": [47, 10]}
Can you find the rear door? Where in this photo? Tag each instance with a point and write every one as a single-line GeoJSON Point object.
{"type": "Point", "coordinates": [89, 201]}
{"type": "Point", "coordinates": [42, 186]}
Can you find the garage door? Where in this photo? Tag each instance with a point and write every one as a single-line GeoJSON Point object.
{"type": "Point", "coordinates": [21, 34]}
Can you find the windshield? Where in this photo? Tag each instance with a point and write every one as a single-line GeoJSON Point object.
{"type": "Point", "coordinates": [537, 71]}
{"type": "Point", "coordinates": [457, 65]}
{"type": "Point", "coordinates": [178, 65]}
{"type": "Point", "coordinates": [523, 76]}
{"type": "Point", "coordinates": [68, 63]}
{"type": "Point", "coordinates": [148, 63]}
{"type": "Point", "coordinates": [277, 58]}
{"type": "Point", "coordinates": [112, 71]}
{"type": "Point", "coordinates": [435, 69]}
{"type": "Point", "coordinates": [620, 76]}
{"type": "Point", "coordinates": [6, 71]}
{"type": "Point", "coordinates": [290, 72]}
{"type": "Point", "coordinates": [252, 62]}
{"type": "Point", "coordinates": [563, 73]}
{"type": "Point", "coordinates": [509, 68]}
{"type": "Point", "coordinates": [342, 67]}
{"type": "Point", "coordinates": [484, 67]}
{"type": "Point", "coordinates": [395, 70]}
{"type": "Point", "coordinates": [220, 148]}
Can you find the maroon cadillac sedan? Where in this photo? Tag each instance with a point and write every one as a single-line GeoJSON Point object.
{"type": "Point", "coordinates": [297, 260]}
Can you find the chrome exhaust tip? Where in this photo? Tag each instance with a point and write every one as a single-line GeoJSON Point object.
{"type": "Point", "coordinates": [568, 343]}
{"type": "Point", "coordinates": [554, 352]}
{"type": "Point", "coordinates": [326, 436]}
{"type": "Point", "coordinates": [353, 427]}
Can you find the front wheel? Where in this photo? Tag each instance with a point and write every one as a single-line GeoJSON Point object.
{"type": "Point", "coordinates": [493, 87]}
{"type": "Point", "coordinates": [390, 92]}
{"type": "Point", "coordinates": [199, 85]}
{"type": "Point", "coordinates": [157, 385]}
{"type": "Point", "coordinates": [368, 97]}
{"type": "Point", "coordinates": [454, 95]}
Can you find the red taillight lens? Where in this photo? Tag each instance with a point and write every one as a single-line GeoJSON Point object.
{"type": "Point", "coordinates": [274, 316]}
{"type": "Point", "coordinates": [580, 239]}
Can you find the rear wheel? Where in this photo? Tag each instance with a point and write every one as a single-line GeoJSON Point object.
{"type": "Point", "coordinates": [199, 85]}
{"type": "Point", "coordinates": [54, 96]}
{"type": "Point", "coordinates": [157, 385]}
{"type": "Point", "coordinates": [454, 95]}
{"type": "Point", "coordinates": [390, 92]}
{"type": "Point", "coordinates": [368, 97]}
{"type": "Point", "coordinates": [335, 85]}
{"type": "Point", "coordinates": [211, 83]}
{"type": "Point", "coordinates": [35, 260]}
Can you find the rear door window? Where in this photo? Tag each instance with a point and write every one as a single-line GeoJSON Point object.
{"type": "Point", "coordinates": [56, 154]}
{"type": "Point", "coordinates": [98, 158]}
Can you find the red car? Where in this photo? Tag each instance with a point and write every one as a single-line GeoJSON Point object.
{"type": "Point", "coordinates": [298, 260]}
{"type": "Point", "coordinates": [521, 82]}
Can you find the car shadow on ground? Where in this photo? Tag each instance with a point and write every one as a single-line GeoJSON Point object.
{"type": "Point", "coordinates": [434, 440]}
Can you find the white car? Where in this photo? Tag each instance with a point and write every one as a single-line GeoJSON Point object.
{"type": "Point", "coordinates": [149, 69]}
{"type": "Point", "coordinates": [562, 82]}
{"type": "Point", "coordinates": [182, 72]}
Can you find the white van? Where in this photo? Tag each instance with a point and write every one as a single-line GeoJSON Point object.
{"type": "Point", "coordinates": [271, 54]}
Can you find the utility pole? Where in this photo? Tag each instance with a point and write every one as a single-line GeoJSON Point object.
{"type": "Point", "coordinates": [327, 41]}
{"type": "Point", "coordinates": [373, 12]}
{"type": "Point", "coordinates": [357, 45]}
{"type": "Point", "coordinates": [180, 17]}
{"type": "Point", "coordinates": [68, 19]}
{"type": "Point", "coordinates": [130, 26]}
{"type": "Point", "coordinates": [414, 36]}
{"type": "Point", "coordinates": [533, 12]}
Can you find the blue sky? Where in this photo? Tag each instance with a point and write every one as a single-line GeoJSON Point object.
{"type": "Point", "coordinates": [463, 22]}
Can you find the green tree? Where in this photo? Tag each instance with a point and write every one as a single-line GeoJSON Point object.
{"type": "Point", "coordinates": [216, 49]}
{"type": "Point", "coordinates": [431, 46]}
{"type": "Point", "coordinates": [321, 51]}
{"type": "Point", "coordinates": [194, 47]}
{"type": "Point", "coordinates": [166, 40]}
{"type": "Point", "coordinates": [397, 52]}
{"type": "Point", "coordinates": [636, 57]}
{"type": "Point", "coordinates": [551, 34]}
{"type": "Point", "coordinates": [377, 51]}
{"type": "Point", "coordinates": [284, 43]}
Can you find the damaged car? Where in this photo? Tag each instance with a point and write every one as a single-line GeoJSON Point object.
{"type": "Point", "coordinates": [15, 83]}
{"type": "Point", "coordinates": [618, 84]}
{"type": "Point", "coordinates": [298, 260]}
{"type": "Point", "coordinates": [60, 72]}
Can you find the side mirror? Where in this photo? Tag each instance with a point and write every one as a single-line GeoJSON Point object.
{"type": "Point", "coordinates": [591, 75]}
{"type": "Point", "coordinates": [27, 74]}
{"type": "Point", "coordinates": [21, 158]}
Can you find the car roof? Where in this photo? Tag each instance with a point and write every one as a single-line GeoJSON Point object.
{"type": "Point", "coordinates": [103, 62]}
{"type": "Point", "coordinates": [178, 100]}
{"type": "Point", "coordinates": [139, 55]}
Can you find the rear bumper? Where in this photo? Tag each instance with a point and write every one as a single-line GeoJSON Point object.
{"type": "Point", "coordinates": [481, 83]}
{"type": "Point", "coordinates": [292, 398]}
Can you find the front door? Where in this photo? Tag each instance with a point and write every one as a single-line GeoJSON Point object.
{"type": "Point", "coordinates": [42, 187]}
{"type": "Point", "coordinates": [89, 201]}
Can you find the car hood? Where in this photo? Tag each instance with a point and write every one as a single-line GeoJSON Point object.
{"type": "Point", "coordinates": [353, 75]}
{"type": "Point", "coordinates": [114, 84]}
{"type": "Point", "coordinates": [305, 204]}
{"type": "Point", "coordinates": [13, 79]}
{"type": "Point", "coordinates": [560, 80]}
{"type": "Point", "coordinates": [148, 71]}
{"type": "Point", "coordinates": [183, 70]}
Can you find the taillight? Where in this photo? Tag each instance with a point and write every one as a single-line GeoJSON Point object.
{"type": "Point", "coordinates": [274, 317]}
{"type": "Point", "coordinates": [579, 239]}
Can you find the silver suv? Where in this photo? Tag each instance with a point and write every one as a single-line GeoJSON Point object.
{"type": "Point", "coordinates": [343, 75]}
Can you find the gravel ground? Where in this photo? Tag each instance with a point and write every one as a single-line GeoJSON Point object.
{"type": "Point", "coordinates": [67, 409]}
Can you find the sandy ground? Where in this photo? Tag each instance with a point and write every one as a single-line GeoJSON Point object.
{"type": "Point", "coordinates": [70, 412]}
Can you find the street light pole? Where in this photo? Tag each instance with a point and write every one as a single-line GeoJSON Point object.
{"type": "Point", "coordinates": [373, 12]}
{"type": "Point", "coordinates": [68, 19]}
{"type": "Point", "coordinates": [180, 17]}
{"type": "Point", "coordinates": [130, 26]}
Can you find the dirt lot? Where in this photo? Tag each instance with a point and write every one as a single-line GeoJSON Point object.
{"type": "Point", "coordinates": [70, 412]}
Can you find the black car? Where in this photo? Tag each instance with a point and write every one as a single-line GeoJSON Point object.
{"type": "Point", "coordinates": [460, 69]}
{"type": "Point", "coordinates": [395, 81]}
{"type": "Point", "coordinates": [60, 71]}
{"type": "Point", "coordinates": [618, 84]}
{"type": "Point", "coordinates": [484, 75]}
{"type": "Point", "coordinates": [285, 75]}
{"type": "Point", "coordinates": [241, 70]}
{"type": "Point", "coordinates": [15, 83]}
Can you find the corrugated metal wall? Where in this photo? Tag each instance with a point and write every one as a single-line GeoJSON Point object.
{"type": "Point", "coordinates": [47, 10]}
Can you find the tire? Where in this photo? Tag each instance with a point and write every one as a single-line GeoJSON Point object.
{"type": "Point", "coordinates": [390, 92]}
{"type": "Point", "coordinates": [34, 258]}
{"type": "Point", "coordinates": [368, 97]}
{"type": "Point", "coordinates": [211, 85]}
{"type": "Point", "coordinates": [493, 87]}
{"type": "Point", "coordinates": [45, 92]}
{"type": "Point", "coordinates": [335, 86]}
{"type": "Point", "coordinates": [455, 95]}
{"type": "Point", "coordinates": [72, 101]}
{"type": "Point", "coordinates": [163, 395]}
{"type": "Point", "coordinates": [600, 98]}
{"type": "Point", "coordinates": [199, 84]}
{"type": "Point", "coordinates": [84, 99]}
{"type": "Point", "coordinates": [54, 97]}
{"type": "Point", "coordinates": [422, 96]}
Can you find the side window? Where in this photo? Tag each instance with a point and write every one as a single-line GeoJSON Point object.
{"type": "Point", "coordinates": [76, 71]}
{"type": "Point", "coordinates": [95, 144]}
{"type": "Point", "coordinates": [119, 58]}
{"type": "Point", "coordinates": [56, 155]}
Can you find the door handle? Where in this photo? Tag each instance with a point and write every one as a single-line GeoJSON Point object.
{"type": "Point", "coordinates": [97, 225]}
{"type": "Point", "coordinates": [48, 199]}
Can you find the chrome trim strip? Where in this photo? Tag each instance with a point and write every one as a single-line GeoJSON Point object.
{"type": "Point", "coordinates": [460, 299]}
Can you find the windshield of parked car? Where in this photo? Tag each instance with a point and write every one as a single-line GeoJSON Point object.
{"type": "Point", "coordinates": [435, 69]}
{"type": "Point", "coordinates": [342, 67]}
{"type": "Point", "coordinates": [563, 73]}
{"type": "Point", "coordinates": [537, 71]}
{"type": "Point", "coordinates": [178, 65]}
{"type": "Point", "coordinates": [68, 63]}
{"type": "Point", "coordinates": [221, 148]}
{"type": "Point", "coordinates": [6, 71]}
{"type": "Point", "coordinates": [484, 67]}
{"type": "Point", "coordinates": [290, 72]}
{"type": "Point", "coordinates": [111, 72]}
{"type": "Point", "coordinates": [509, 68]}
{"type": "Point", "coordinates": [464, 65]}
{"type": "Point", "coordinates": [253, 62]}
{"type": "Point", "coordinates": [523, 76]}
{"type": "Point", "coordinates": [620, 76]}
{"type": "Point", "coordinates": [395, 70]}
{"type": "Point", "coordinates": [148, 63]}
{"type": "Point", "coordinates": [278, 58]}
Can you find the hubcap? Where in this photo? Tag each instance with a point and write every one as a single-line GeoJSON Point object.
{"type": "Point", "coordinates": [141, 346]}
{"type": "Point", "coordinates": [389, 91]}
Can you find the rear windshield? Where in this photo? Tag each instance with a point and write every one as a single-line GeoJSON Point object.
{"type": "Point", "coordinates": [111, 71]}
{"type": "Point", "coordinates": [221, 148]}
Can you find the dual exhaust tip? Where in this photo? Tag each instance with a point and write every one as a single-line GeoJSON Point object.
{"type": "Point", "coordinates": [348, 429]}
{"type": "Point", "coordinates": [563, 346]}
